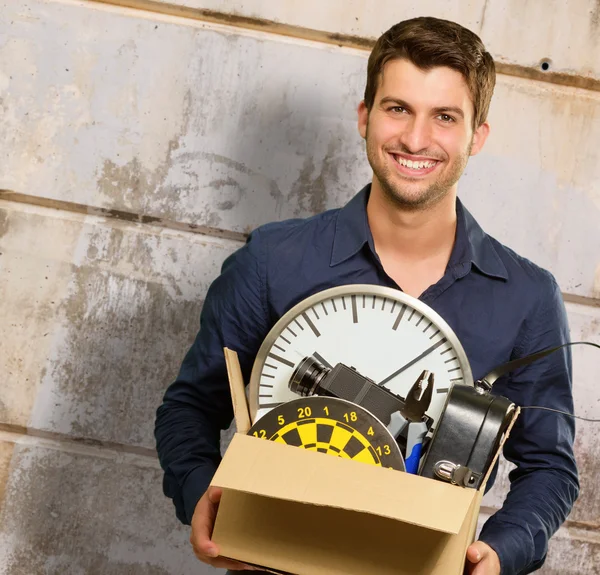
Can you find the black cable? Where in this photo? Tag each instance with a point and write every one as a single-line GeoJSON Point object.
{"type": "Point", "coordinates": [488, 381]}
{"type": "Point", "coordinates": [562, 412]}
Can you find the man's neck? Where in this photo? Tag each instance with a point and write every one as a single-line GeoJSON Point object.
{"type": "Point", "coordinates": [414, 246]}
{"type": "Point", "coordinates": [412, 235]}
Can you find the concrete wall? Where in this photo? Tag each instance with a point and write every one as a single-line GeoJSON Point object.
{"type": "Point", "coordinates": [140, 147]}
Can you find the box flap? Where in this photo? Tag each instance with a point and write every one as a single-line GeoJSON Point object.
{"type": "Point", "coordinates": [238, 392]}
{"type": "Point", "coordinates": [275, 470]}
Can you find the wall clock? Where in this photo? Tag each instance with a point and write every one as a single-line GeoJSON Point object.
{"type": "Point", "coordinates": [385, 334]}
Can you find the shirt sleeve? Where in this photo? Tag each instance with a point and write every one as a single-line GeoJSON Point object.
{"type": "Point", "coordinates": [545, 484]}
{"type": "Point", "coordinates": [197, 405]}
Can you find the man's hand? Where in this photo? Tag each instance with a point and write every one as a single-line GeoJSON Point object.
{"type": "Point", "coordinates": [202, 527]}
{"type": "Point", "coordinates": [482, 560]}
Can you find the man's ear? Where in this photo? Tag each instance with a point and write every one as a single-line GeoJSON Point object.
{"type": "Point", "coordinates": [363, 119]}
{"type": "Point", "coordinates": [479, 138]}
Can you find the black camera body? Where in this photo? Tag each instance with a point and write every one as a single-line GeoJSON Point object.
{"type": "Point", "coordinates": [341, 381]}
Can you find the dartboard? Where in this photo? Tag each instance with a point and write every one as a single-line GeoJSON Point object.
{"type": "Point", "coordinates": [332, 426]}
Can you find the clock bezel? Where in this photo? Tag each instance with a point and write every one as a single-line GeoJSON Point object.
{"type": "Point", "coordinates": [347, 290]}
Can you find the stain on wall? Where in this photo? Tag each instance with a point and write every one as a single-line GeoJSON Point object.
{"type": "Point", "coordinates": [101, 317]}
{"type": "Point", "coordinates": [595, 17]}
{"type": "Point", "coordinates": [6, 451]}
{"type": "Point", "coordinates": [32, 280]}
{"type": "Point", "coordinates": [74, 513]}
{"type": "Point", "coordinates": [3, 223]}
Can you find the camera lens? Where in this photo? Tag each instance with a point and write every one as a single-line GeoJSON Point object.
{"type": "Point", "coordinates": [307, 376]}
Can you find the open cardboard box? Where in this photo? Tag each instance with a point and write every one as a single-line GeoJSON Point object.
{"type": "Point", "coordinates": [290, 510]}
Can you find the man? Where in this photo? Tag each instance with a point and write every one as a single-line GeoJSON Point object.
{"type": "Point", "coordinates": [429, 86]}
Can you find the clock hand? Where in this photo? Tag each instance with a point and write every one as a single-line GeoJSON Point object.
{"type": "Point", "coordinates": [412, 362]}
{"type": "Point", "coordinates": [323, 361]}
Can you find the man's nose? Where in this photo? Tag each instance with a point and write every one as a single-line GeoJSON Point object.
{"type": "Point", "coordinates": [416, 136]}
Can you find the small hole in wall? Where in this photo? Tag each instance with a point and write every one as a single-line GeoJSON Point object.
{"type": "Point", "coordinates": [545, 65]}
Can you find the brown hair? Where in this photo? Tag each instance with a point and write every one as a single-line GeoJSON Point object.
{"type": "Point", "coordinates": [429, 42]}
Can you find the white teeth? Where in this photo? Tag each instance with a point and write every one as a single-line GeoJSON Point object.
{"type": "Point", "coordinates": [414, 165]}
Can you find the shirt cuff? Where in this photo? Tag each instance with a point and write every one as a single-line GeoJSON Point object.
{"type": "Point", "coordinates": [513, 544]}
{"type": "Point", "coordinates": [194, 487]}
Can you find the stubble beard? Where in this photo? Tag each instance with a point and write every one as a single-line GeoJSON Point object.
{"type": "Point", "coordinates": [401, 195]}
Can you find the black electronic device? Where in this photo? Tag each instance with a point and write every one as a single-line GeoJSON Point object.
{"type": "Point", "coordinates": [467, 436]}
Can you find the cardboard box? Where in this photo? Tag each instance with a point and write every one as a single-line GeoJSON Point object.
{"type": "Point", "coordinates": [290, 510]}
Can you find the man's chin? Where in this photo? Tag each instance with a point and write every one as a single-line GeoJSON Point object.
{"type": "Point", "coordinates": [412, 198]}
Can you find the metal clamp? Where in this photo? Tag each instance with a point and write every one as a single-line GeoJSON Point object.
{"type": "Point", "coordinates": [455, 474]}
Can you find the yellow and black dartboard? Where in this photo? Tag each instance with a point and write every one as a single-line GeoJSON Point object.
{"type": "Point", "coordinates": [333, 426]}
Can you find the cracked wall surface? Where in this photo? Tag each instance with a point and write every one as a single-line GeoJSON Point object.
{"type": "Point", "coordinates": [140, 146]}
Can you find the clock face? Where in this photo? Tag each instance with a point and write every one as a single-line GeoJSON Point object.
{"type": "Point", "coordinates": [383, 333]}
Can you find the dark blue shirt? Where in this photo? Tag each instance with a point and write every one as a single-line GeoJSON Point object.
{"type": "Point", "coordinates": [500, 305]}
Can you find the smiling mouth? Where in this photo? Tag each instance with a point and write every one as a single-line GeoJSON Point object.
{"type": "Point", "coordinates": [415, 166]}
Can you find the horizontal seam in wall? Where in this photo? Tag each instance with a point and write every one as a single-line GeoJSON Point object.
{"type": "Point", "coordinates": [569, 524]}
{"type": "Point", "coordinates": [85, 446]}
{"type": "Point", "coordinates": [582, 300]}
{"type": "Point", "coordinates": [157, 222]}
{"type": "Point", "coordinates": [121, 215]}
{"type": "Point", "coordinates": [341, 40]}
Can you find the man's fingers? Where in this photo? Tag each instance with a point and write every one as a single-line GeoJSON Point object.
{"type": "Point", "coordinates": [203, 522]}
{"type": "Point", "coordinates": [474, 556]}
{"type": "Point", "coordinates": [477, 551]}
{"type": "Point", "coordinates": [214, 494]}
{"type": "Point", "coordinates": [482, 560]}
{"type": "Point", "coordinates": [202, 527]}
{"type": "Point", "coordinates": [222, 562]}
{"type": "Point", "coordinates": [483, 568]}
{"type": "Point", "coordinates": [205, 547]}
{"type": "Point", "coordinates": [201, 532]}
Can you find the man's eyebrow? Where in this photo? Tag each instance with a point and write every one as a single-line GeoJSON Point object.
{"type": "Point", "coordinates": [397, 101]}
{"type": "Point", "coordinates": [451, 109]}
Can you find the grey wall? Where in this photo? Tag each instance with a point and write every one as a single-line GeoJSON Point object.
{"type": "Point", "coordinates": [140, 147]}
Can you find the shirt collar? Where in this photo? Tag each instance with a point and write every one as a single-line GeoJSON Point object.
{"type": "Point", "coordinates": [352, 230]}
{"type": "Point", "coordinates": [472, 244]}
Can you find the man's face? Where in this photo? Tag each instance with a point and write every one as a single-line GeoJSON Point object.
{"type": "Point", "coordinates": [419, 132]}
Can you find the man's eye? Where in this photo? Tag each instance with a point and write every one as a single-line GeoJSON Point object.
{"type": "Point", "coordinates": [398, 109]}
{"type": "Point", "coordinates": [446, 118]}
